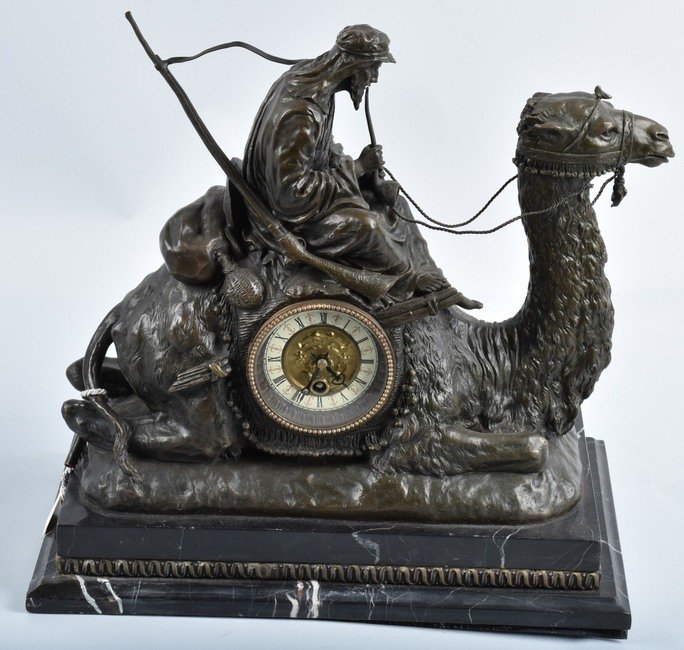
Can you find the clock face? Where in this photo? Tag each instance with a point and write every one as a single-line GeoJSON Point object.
{"type": "Point", "coordinates": [321, 367]}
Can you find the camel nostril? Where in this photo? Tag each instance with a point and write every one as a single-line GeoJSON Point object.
{"type": "Point", "coordinates": [663, 136]}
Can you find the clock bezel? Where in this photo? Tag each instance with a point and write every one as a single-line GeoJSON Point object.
{"type": "Point", "coordinates": [383, 343]}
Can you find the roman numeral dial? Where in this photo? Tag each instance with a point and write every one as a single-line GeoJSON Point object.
{"type": "Point", "coordinates": [321, 367]}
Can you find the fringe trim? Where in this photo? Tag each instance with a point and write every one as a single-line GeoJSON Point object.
{"type": "Point", "coordinates": [562, 169]}
{"type": "Point", "coordinates": [291, 443]}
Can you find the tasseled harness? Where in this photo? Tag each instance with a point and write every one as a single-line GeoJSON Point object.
{"type": "Point", "coordinates": [577, 165]}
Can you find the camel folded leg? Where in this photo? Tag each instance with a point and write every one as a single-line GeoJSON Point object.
{"type": "Point", "coordinates": [155, 435]}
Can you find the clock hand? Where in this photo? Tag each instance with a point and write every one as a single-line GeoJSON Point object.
{"type": "Point", "coordinates": [320, 364]}
{"type": "Point", "coordinates": [338, 377]}
{"type": "Point", "coordinates": [314, 376]}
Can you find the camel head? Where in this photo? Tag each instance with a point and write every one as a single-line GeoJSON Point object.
{"type": "Point", "coordinates": [582, 134]}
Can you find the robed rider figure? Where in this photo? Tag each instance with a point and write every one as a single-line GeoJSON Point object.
{"type": "Point", "coordinates": [339, 206]}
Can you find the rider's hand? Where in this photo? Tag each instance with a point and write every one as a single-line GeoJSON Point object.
{"type": "Point", "coordinates": [370, 160]}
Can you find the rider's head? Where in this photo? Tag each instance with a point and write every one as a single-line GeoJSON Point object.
{"type": "Point", "coordinates": [352, 64]}
{"type": "Point", "coordinates": [367, 48]}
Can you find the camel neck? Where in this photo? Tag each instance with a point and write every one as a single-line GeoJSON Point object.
{"type": "Point", "coordinates": [565, 325]}
{"type": "Point", "coordinates": [539, 191]}
{"type": "Point", "coordinates": [567, 253]}
{"type": "Point", "coordinates": [554, 236]}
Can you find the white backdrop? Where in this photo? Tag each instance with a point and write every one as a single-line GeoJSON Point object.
{"type": "Point", "coordinates": [96, 154]}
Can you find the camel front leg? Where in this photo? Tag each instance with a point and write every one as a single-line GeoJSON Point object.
{"type": "Point", "coordinates": [452, 449]}
{"type": "Point", "coordinates": [523, 452]}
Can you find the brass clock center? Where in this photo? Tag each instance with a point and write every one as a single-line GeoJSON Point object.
{"type": "Point", "coordinates": [321, 359]}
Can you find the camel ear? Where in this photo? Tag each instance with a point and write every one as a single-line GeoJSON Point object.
{"type": "Point", "coordinates": [599, 93]}
{"type": "Point", "coordinates": [540, 95]}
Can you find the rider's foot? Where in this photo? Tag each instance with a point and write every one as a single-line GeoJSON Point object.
{"type": "Point", "coordinates": [429, 283]}
{"type": "Point", "coordinates": [468, 303]}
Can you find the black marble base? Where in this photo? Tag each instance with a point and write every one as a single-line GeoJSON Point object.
{"type": "Point", "coordinates": [565, 601]}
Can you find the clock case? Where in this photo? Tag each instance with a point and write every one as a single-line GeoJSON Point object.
{"type": "Point", "coordinates": [469, 547]}
{"type": "Point", "coordinates": [267, 435]}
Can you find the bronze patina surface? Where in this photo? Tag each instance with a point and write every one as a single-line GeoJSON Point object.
{"type": "Point", "coordinates": [301, 355]}
{"type": "Point", "coordinates": [342, 490]}
{"type": "Point", "coordinates": [467, 388]}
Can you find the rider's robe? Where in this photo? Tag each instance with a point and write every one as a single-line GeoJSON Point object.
{"type": "Point", "coordinates": [311, 185]}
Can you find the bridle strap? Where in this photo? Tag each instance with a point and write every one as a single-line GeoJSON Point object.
{"type": "Point", "coordinates": [627, 138]}
{"type": "Point", "coordinates": [585, 127]}
{"type": "Point", "coordinates": [614, 159]}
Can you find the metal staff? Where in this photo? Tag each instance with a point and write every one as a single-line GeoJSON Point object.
{"type": "Point", "coordinates": [369, 284]}
{"type": "Point", "coordinates": [371, 130]}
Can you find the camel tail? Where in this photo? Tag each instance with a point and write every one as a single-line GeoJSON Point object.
{"type": "Point", "coordinates": [97, 349]}
{"type": "Point", "coordinates": [92, 365]}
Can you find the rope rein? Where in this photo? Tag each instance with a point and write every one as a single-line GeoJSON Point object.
{"type": "Point", "coordinates": [445, 227]}
{"type": "Point", "coordinates": [441, 223]}
{"type": "Point", "coordinates": [618, 166]}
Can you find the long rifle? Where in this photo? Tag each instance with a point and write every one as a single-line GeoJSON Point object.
{"type": "Point", "coordinates": [368, 283]}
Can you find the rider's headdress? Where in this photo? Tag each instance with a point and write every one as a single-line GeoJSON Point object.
{"type": "Point", "coordinates": [366, 42]}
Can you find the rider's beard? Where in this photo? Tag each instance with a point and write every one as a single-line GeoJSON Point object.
{"type": "Point", "coordinates": [356, 91]}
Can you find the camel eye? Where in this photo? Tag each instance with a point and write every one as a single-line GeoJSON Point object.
{"type": "Point", "coordinates": [609, 131]}
{"type": "Point", "coordinates": [547, 131]}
